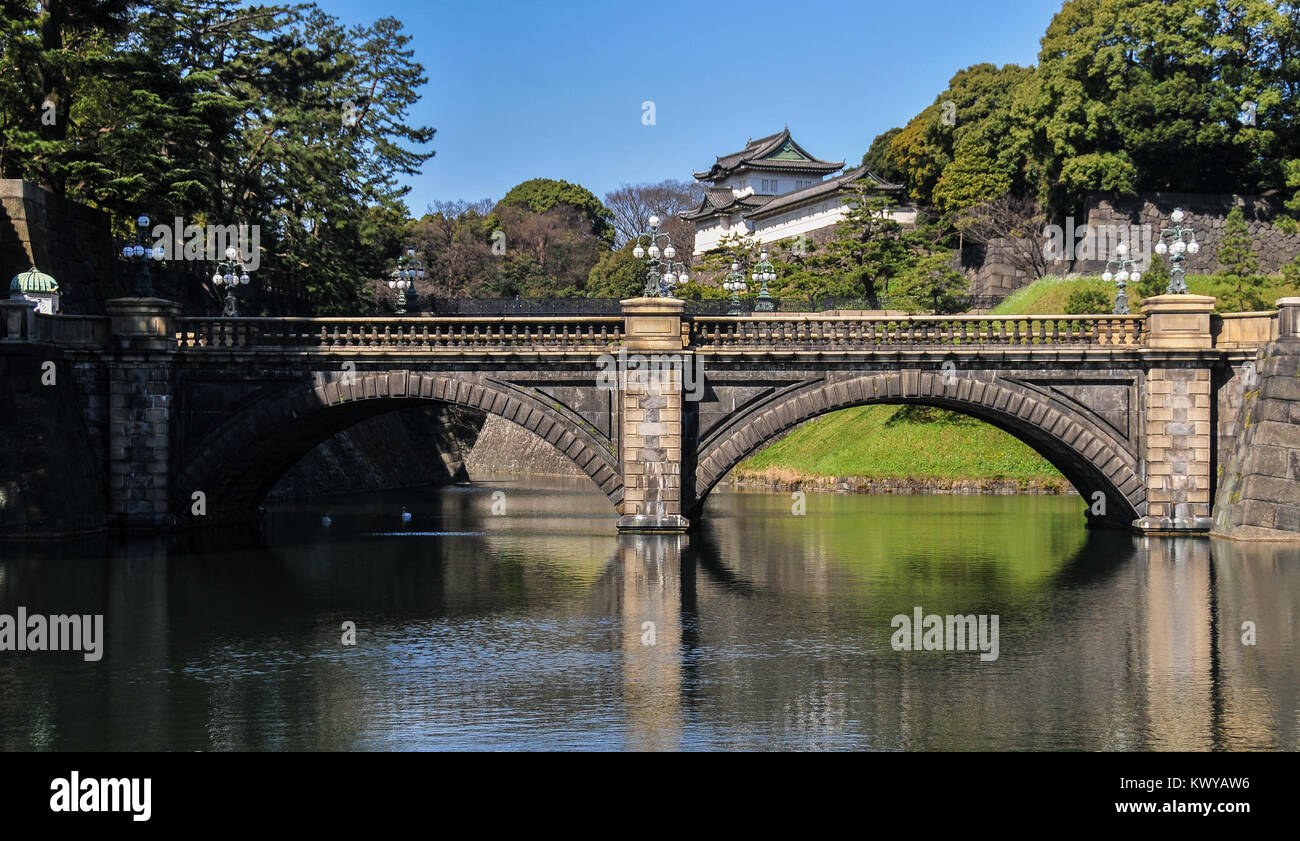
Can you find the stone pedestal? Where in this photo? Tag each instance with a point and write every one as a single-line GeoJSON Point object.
{"type": "Point", "coordinates": [1288, 319]}
{"type": "Point", "coordinates": [1177, 394]}
{"type": "Point", "coordinates": [16, 320]}
{"type": "Point", "coordinates": [652, 416]}
{"type": "Point", "coordinates": [142, 347]}
{"type": "Point", "coordinates": [1179, 322]}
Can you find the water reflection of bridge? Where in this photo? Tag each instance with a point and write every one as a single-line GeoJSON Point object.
{"type": "Point", "coordinates": [1126, 643]}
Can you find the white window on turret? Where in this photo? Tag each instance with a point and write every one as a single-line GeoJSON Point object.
{"type": "Point", "coordinates": [770, 185]}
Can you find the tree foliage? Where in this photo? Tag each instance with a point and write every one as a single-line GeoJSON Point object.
{"type": "Point", "coordinates": [1127, 96]}
{"type": "Point", "coordinates": [955, 152]}
{"type": "Point", "coordinates": [220, 113]}
{"type": "Point", "coordinates": [934, 285]}
{"type": "Point", "coordinates": [877, 158]}
{"type": "Point", "coordinates": [1234, 249]}
{"type": "Point", "coordinates": [1240, 263]}
{"type": "Point", "coordinates": [542, 194]}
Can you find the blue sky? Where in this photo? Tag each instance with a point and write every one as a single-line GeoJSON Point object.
{"type": "Point", "coordinates": [521, 90]}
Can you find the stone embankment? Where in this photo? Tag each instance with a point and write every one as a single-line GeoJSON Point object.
{"type": "Point", "coordinates": [1259, 482]}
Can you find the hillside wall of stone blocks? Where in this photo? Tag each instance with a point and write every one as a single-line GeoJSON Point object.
{"type": "Point", "coordinates": [993, 273]}
{"type": "Point", "coordinates": [52, 478]}
{"type": "Point", "coordinates": [1259, 487]}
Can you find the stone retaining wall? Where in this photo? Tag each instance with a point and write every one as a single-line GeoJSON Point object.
{"type": "Point", "coordinates": [423, 445]}
{"type": "Point", "coordinates": [1259, 483]}
{"type": "Point", "coordinates": [506, 447]}
{"type": "Point", "coordinates": [992, 273]}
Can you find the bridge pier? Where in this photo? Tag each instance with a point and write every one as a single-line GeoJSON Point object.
{"type": "Point", "coordinates": [651, 439]}
{"type": "Point", "coordinates": [140, 367]}
{"type": "Point", "coordinates": [1178, 443]}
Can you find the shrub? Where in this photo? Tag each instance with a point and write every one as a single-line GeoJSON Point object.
{"type": "Point", "coordinates": [1155, 280]}
{"type": "Point", "coordinates": [1088, 300]}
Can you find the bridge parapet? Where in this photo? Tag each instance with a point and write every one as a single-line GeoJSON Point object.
{"type": "Point", "coordinates": [1243, 330]}
{"type": "Point", "coordinates": [454, 335]}
{"type": "Point", "coordinates": [846, 332]}
{"type": "Point", "coordinates": [90, 332]}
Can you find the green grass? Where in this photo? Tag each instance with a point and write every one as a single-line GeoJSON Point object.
{"type": "Point", "coordinates": [1047, 296]}
{"type": "Point", "coordinates": [899, 442]}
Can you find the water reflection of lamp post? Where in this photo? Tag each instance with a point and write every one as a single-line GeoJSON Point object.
{"type": "Point", "coordinates": [140, 254]}
{"type": "Point", "coordinates": [1172, 242]}
{"type": "Point", "coordinates": [763, 273]}
{"type": "Point", "coordinates": [735, 284]}
{"type": "Point", "coordinates": [231, 274]}
{"type": "Point", "coordinates": [1124, 272]}
{"type": "Point", "coordinates": [659, 284]}
{"type": "Point", "coordinates": [408, 270]}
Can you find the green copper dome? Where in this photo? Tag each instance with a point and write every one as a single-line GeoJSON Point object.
{"type": "Point", "coordinates": [33, 281]}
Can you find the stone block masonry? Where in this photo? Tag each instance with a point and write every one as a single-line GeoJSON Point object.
{"type": "Point", "coordinates": [1179, 443]}
{"type": "Point", "coordinates": [1178, 430]}
{"type": "Point", "coordinates": [139, 415]}
{"type": "Point", "coordinates": [651, 425]}
{"type": "Point", "coordinates": [51, 465]}
{"type": "Point", "coordinates": [1259, 485]}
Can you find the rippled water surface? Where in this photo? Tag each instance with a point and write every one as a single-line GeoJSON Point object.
{"type": "Point", "coordinates": [542, 628]}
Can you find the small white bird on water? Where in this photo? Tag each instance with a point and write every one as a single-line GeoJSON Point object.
{"type": "Point", "coordinates": [406, 515]}
{"type": "Point", "coordinates": [326, 521]}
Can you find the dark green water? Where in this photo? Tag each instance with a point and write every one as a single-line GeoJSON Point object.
{"type": "Point", "coordinates": [526, 630]}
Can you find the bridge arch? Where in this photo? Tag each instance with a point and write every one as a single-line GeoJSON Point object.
{"type": "Point", "coordinates": [1088, 454]}
{"type": "Point", "coordinates": [236, 464]}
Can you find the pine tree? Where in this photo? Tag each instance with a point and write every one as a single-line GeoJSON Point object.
{"type": "Point", "coordinates": [1239, 261]}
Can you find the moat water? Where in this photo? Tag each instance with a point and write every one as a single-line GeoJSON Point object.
{"type": "Point", "coordinates": [509, 614]}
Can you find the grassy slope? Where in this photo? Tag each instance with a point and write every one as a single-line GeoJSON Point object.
{"type": "Point", "coordinates": [903, 442]}
{"type": "Point", "coordinates": [899, 442]}
{"type": "Point", "coordinates": [1048, 295]}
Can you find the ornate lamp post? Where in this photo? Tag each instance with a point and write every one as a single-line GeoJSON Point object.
{"type": "Point", "coordinates": [659, 283]}
{"type": "Point", "coordinates": [735, 284]}
{"type": "Point", "coordinates": [763, 273]}
{"type": "Point", "coordinates": [1173, 243]}
{"type": "Point", "coordinates": [409, 269]}
{"type": "Point", "coordinates": [231, 273]}
{"type": "Point", "coordinates": [141, 254]}
{"type": "Point", "coordinates": [1123, 273]}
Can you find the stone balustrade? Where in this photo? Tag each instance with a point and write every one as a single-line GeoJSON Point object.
{"type": "Point", "coordinates": [813, 332]}
{"type": "Point", "coordinates": [404, 334]}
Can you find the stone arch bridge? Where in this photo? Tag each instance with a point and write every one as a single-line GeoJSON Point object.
{"type": "Point", "coordinates": [654, 406]}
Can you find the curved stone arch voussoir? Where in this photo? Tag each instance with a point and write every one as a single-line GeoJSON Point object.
{"type": "Point", "coordinates": [236, 464]}
{"type": "Point", "coordinates": [1090, 456]}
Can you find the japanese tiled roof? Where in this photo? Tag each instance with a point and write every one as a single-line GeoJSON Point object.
{"type": "Point", "coordinates": [823, 189]}
{"type": "Point", "coordinates": [720, 201]}
{"type": "Point", "coordinates": [776, 153]}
